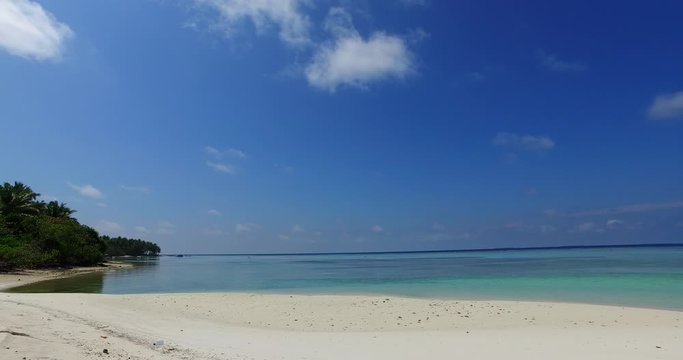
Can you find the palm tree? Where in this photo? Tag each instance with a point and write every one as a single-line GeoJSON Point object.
{"type": "Point", "coordinates": [18, 199]}
{"type": "Point", "coordinates": [57, 209]}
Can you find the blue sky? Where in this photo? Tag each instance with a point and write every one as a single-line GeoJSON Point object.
{"type": "Point", "coordinates": [314, 126]}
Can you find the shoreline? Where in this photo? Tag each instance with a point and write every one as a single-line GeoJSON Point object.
{"type": "Point", "coordinates": [271, 326]}
{"type": "Point", "coordinates": [18, 278]}
{"type": "Point", "coordinates": [10, 280]}
{"type": "Point", "coordinates": [232, 325]}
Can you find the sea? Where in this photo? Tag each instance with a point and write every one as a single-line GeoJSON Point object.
{"type": "Point", "coordinates": [641, 276]}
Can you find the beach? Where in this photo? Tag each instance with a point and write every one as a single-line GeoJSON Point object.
{"type": "Point", "coordinates": [276, 326]}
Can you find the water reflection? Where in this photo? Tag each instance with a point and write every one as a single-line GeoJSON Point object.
{"type": "Point", "coordinates": [86, 283]}
{"type": "Point", "coordinates": [90, 283]}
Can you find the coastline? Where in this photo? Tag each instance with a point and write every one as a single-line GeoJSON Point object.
{"type": "Point", "coordinates": [269, 326]}
{"type": "Point", "coordinates": [17, 278]}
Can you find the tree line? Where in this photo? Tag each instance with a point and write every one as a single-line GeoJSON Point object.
{"type": "Point", "coordinates": [35, 233]}
{"type": "Point", "coordinates": [121, 246]}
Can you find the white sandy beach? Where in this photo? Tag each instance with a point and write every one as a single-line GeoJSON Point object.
{"type": "Point", "coordinates": [250, 326]}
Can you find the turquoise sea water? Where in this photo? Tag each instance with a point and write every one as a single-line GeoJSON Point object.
{"type": "Point", "coordinates": [631, 276]}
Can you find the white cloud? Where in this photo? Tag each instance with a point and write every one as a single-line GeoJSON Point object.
{"type": "Point", "coordinates": [283, 237]}
{"type": "Point", "coordinates": [586, 227]}
{"type": "Point", "coordinates": [165, 228]}
{"type": "Point", "coordinates": [87, 191]}
{"type": "Point", "coordinates": [524, 142]}
{"type": "Point", "coordinates": [246, 227]}
{"type": "Point", "coordinates": [141, 229]}
{"type": "Point", "coordinates": [220, 167]}
{"type": "Point", "coordinates": [108, 227]}
{"type": "Point", "coordinates": [551, 62]}
{"type": "Point", "coordinates": [297, 228]}
{"type": "Point", "coordinates": [263, 14]}
{"type": "Point", "coordinates": [667, 106]}
{"type": "Point", "coordinates": [139, 189]}
{"type": "Point", "coordinates": [633, 208]}
{"type": "Point", "coordinates": [218, 154]}
{"type": "Point", "coordinates": [101, 204]}
{"type": "Point", "coordinates": [29, 31]}
{"type": "Point", "coordinates": [214, 212]}
{"type": "Point", "coordinates": [236, 153]}
{"type": "Point", "coordinates": [210, 150]}
{"type": "Point", "coordinates": [613, 223]}
{"type": "Point", "coordinates": [354, 61]}
{"type": "Point", "coordinates": [376, 229]}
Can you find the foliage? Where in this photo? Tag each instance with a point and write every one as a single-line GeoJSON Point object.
{"type": "Point", "coordinates": [18, 200]}
{"type": "Point", "coordinates": [57, 210]}
{"type": "Point", "coordinates": [120, 246]}
{"type": "Point", "coordinates": [37, 234]}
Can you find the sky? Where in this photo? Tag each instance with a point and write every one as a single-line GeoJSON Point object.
{"type": "Point", "coordinates": [289, 126]}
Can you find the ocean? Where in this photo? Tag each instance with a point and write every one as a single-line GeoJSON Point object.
{"type": "Point", "coordinates": [629, 276]}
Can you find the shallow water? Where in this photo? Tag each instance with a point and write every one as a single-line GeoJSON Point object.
{"type": "Point", "coordinates": [631, 276]}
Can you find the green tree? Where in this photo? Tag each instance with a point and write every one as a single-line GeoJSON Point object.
{"type": "Point", "coordinates": [121, 246]}
{"type": "Point", "coordinates": [74, 244]}
{"type": "Point", "coordinates": [18, 200]}
{"type": "Point", "coordinates": [57, 209]}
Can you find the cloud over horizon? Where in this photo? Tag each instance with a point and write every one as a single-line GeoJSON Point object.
{"type": "Point", "coordinates": [632, 208]}
{"type": "Point", "coordinates": [246, 227]}
{"type": "Point", "coordinates": [586, 227]}
{"type": "Point", "coordinates": [29, 31]}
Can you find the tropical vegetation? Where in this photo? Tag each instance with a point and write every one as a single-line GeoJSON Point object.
{"type": "Point", "coordinates": [34, 233]}
{"type": "Point", "coordinates": [121, 246]}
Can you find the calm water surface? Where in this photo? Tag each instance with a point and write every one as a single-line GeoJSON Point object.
{"type": "Point", "coordinates": [644, 276]}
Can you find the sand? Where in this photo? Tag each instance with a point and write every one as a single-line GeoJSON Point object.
{"type": "Point", "coordinates": [251, 326]}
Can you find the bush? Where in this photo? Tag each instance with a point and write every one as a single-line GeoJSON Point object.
{"type": "Point", "coordinates": [74, 243]}
{"type": "Point", "coordinates": [47, 241]}
{"type": "Point", "coordinates": [15, 254]}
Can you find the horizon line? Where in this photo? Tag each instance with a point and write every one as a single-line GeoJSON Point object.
{"type": "Point", "coordinates": [436, 251]}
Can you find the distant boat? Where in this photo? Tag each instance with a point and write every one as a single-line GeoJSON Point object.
{"type": "Point", "coordinates": [179, 255]}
